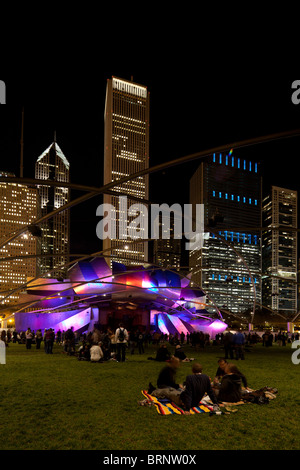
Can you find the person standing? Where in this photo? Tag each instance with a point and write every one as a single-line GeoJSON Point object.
{"type": "Point", "coordinates": [49, 339]}
{"type": "Point", "coordinates": [38, 339]}
{"type": "Point", "coordinates": [140, 342]}
{"type": "Point", "coordinates": [29, 338]}
{"type": "Point", "coordinates": [239, 341]}
{"type": "Point", "coordinates": [228, 344]}
{"type": "Point", "coordinates": [121, 338]}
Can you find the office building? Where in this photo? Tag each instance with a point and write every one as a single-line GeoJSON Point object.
{"type": "Point", "coordinates": [126, 151]}
{"type": "Point", "coordinates": [19, 206]}
{"type": "Point", "coordinates": [279, 251]}
{"type": "Point", "coordinates": [167, 251]}
{"type": "Point", "coordinates": [52, 165]}
{"type": "Point", "coordinates": [228, 266]}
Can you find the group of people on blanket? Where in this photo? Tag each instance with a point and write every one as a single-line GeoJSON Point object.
{"type": "Point", "coordinates": [226, 386]}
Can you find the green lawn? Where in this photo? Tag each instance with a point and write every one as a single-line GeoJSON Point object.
{"type": "Point", "coordinates": [55, 402]}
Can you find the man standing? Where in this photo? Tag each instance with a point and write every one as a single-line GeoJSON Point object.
{"type": "Point", "coordinates": [239, 340]}
{"type": "Point", "coordinates": [121, 338]}
{"type": "Point", "coordinates": [49, 340]}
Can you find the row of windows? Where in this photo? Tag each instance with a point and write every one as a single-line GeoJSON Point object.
{"type": "Point", "coordinates": [232, 161]}
{"type": "Point", "coordinates": [238, 237]}
{"type": "Point", "coordinates": [233, 197]}
{"type": "Point", "coordinates": [242, 279]}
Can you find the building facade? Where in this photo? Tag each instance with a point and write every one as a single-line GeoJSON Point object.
{"type": "Point", "coordinates": [126, 151]}
{"type": "Point", "coordinates": [228, 267]}
{"type": "Point", "coordinates": [19, 206]}
{"type": "Point", "coordinates": [167, 251]}
{"type": "Point", "coordinates": [279, 250]}
{"type": "Point", "coordinates": [53, 165]}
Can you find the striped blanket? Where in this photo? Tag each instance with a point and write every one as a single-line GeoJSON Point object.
{"type": "Point", "coordinates": [164, 407]}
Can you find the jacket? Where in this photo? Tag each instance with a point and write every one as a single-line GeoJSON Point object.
{"type": "Point", "coordinates": [196, 386]}
{"type": "Point", "coordinates": [230, 390]}
{"type": "Point", "coordinates": [125, 335]}
{"type": "Point", "coordinates": [96, 353]}
{"type": "Point", "coordinates": [220, 373]}
{"type": "Point", "coordinates": [166, 378]}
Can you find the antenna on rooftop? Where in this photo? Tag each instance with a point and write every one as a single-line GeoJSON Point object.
{"type": "Point", "coordinates": [54, 136]}
{"type": "Point", "coordinates": [22, 144]}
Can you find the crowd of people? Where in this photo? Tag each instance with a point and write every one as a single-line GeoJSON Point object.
{"type": "Point", "coordinates": [228, 386]}
{"type": "Point", "coordinates": [114, 344]}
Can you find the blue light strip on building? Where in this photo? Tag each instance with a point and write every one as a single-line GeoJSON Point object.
{"type": "Point", "coordinates": [234, 197]}
{"type": "Point", "coordinates": [238, 161]}
{"type": "Point", "coordinates": [239, 237]}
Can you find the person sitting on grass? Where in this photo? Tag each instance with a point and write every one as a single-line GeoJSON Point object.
{"type": "Point", "coordinates": [166, 378]}
{"type": "Point", "coordinates": [179, 352]}
{"type": "Point", "coordinates": [84, 352]}
{"type": "Point", "coordinates": [197, 385]}
{"type": "Point", "coordinates": [230, 389]}
{"type": "Point", "coordinates": [221, 372]}
{"type": "Point", "coordinates": [96, 353]}
{"type": "Point", "coordinates": [162, 354]}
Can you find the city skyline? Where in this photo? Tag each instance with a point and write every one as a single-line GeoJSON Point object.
{"type": "Point", "coordinates": [179, 126]}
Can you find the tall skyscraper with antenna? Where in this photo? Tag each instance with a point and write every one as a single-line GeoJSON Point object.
{"type": "Point", "coordinates": [126, 151]}
{"type": "Point", "coordinates": [53, 165]}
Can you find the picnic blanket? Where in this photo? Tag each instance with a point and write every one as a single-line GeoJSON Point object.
{"type": "Point", "coordinates": [165, 407]}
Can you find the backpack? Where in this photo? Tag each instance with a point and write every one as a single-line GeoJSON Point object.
{"type": "Point", "coordinates": [121, 335]}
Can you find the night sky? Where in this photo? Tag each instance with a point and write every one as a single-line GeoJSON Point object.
{"type": "Point", "coordinates": [190, 111]}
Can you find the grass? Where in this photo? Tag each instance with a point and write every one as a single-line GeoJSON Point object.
{"type": "Point", "coordinates": [54, 402]}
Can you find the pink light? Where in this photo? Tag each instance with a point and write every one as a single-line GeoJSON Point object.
{"type": "Point", "coordinates": [218, 325]}
{"type": "Point", "coordinates": [77, 321]}
{"type": "Point", "coordinates": [178, 324]}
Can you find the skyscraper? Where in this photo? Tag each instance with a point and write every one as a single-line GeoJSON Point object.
{"type": "Point", "coordinates": [228, 269]}
{"type": "Point", "coordinates": [53, 165]}
{"type": "Point", "coordinates": [279, 250]}
{"type": "Point", "coordinates": [126, 151]}
{"type": "Point", "coordinates": [19, 206]}
{"type": "Point", "coordinates": [167, 251]}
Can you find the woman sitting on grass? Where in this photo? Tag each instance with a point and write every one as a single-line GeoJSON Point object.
{"type": "Point", "coordinates": [230, 389]}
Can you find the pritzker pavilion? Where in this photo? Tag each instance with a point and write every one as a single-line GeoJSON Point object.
{"type": "Point", "coordinates": [142, 296]}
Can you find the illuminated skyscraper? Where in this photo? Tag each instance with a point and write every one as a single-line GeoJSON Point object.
{"type": "Point", "coordinates": [230, 189]}
{"type": "Point", "coordinates": [279, 250]}
{"type": "Point", "coordinates": [126, 151]}
{"type": "Point", "coordinates": [19, 206]}
{"type": "Point", "coordinates": [53, 165]}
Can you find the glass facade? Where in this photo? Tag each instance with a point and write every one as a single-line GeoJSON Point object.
{"type": "Point", "coordinates": [53, 165]}
{"type": "Point", "coordinates": [279, 251]}
{"type": "Point", "coordinates": [229, 265]}
{"type": "Point", "coordinates": [19, 206]}
{"type": "Point", "coordinates": [126, 152]}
